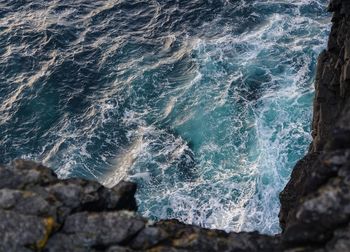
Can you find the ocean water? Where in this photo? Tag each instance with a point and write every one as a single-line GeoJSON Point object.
{"type": "Point", "coordinates": [205, 104]}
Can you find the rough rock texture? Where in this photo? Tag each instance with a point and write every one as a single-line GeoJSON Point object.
{"type": "Point", "coordinates": [316, 201]}
{"type": "Point", "coordinates": [42, 213]}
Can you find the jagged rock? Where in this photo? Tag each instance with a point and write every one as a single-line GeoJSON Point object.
{"type": "Point", "coordinates": [148, 237]}
{"type": "Point", "coordinates": [96, 230]}
{"type": "Point", "coordinates": [77, 215]}
{"type": "Point", "coordinates": [25, 202]}
{"type": "Point", "coordinates": [191, 238]}
{"type": "Point", "coordinates": [23, 231]}
{"type": "Point", "coordinates": [23, 174]}
{"type": "Point", "coordinates": [295, 186]}
{"type": "Point", "coordinates": [315, 204]}
{"type": "Point", "coordinates": [34, 204]}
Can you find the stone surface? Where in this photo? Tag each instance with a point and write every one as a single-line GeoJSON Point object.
{"type": "Point", "coordinates": [43, 213]}
{"type": "Point", "coordinates": [315, 204]}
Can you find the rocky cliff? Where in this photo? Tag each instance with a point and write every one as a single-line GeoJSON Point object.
{"type": "Point", "coordinates": [42, 213]}
{"type": "Point", "coordinates": [315, 204]}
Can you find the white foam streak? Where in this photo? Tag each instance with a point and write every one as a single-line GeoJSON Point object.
{"type": "Point", "coordinates": [260, 168]}
{"type": "Point", "coordinates": [122, 164]}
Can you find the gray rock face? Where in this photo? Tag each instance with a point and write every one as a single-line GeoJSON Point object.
{"type": "Point", "coordinates": [39, 212]}
{"type": "Point", "coordinates": [21, 230]}
{"type": "Point", "coordinates": [315, 204]}
{"type": "Point", "coordinates": [86, 230]}
{"type": "Point", "coordinates": [35, 204]}
{"type": "Point", "coordinates": [42, 213]}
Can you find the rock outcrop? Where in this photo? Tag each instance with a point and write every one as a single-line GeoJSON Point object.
{"type": "Point", "coordinates": [39, 212]}
{"type": "Point", "coordinates": [315, 204]}
{"type": "Point", "coordinates": [42, 213]}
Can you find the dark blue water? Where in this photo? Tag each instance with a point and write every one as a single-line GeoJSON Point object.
{"type": "Point", "coordinates": [205, 104]}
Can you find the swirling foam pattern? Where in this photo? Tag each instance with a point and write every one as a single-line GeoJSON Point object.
{"type": "Point", "coordinates": [206, 104]}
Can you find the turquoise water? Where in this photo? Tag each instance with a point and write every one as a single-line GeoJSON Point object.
{"type": "Point", "coordinates": [206, 105]}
